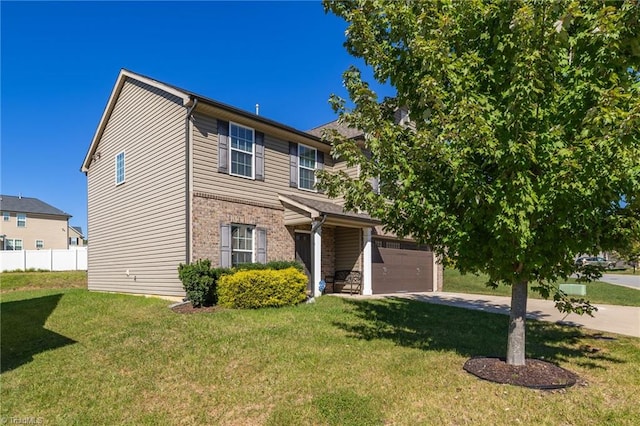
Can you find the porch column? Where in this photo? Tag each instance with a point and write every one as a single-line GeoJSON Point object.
{"type": "Point", "coordinates": [316, 256]}
{"type": "Point", "coordinates": [366, 254]}
{"type": "Point", "coordinates": [435, 272]}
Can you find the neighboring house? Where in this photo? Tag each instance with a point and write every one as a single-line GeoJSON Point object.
{"type": "Point", "coordinates": [76, 238]}
{"type": "Point", "coordinates": [31, 224]}
{"type": "Point", "coordinates": [174, 177]}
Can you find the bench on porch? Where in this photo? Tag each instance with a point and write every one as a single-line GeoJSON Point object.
{"type": "Point", "coordinates": [347, 281]}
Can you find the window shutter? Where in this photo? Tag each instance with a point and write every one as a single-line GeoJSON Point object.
{"type": "Point", "coordinates": [259, 156]}
{"type": "Point", "coordinates": [261, 251]}
{"type": "Point", "coordinates": [319, 165]}
{"type": "Point", "coordinates": [223, 146]}
{"type": "Point", "coordinates": [293, 164]}
{"type": "Point", "coordinates": [225, 245]}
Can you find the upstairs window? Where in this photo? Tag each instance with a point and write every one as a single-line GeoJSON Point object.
{"type": "Point", "coordinates": [241, 150]}
{"type": "Point", "coordinates": [21, 220]}
{"type": "Point", "coordinates": [73, 241]}
{"type": "Point", "coordinates": [241, 244]}
{"type": "Point", "coordinates": [6, 216]}
{"type": "Point", "coordinates": [120, 168]}
{"type": "Point", "coordinates": [306, 167]}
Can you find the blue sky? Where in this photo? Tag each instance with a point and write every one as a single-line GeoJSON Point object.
{"type": "Point", "coordinates": [59, 61]}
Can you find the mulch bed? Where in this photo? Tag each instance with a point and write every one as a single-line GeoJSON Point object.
{"type": "Point", "coordinates": [535, 373]}
{"type": "Point", "coordinates": [187, 308]}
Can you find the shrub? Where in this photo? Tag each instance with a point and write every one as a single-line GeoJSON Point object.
{"type": "Point", "coordinates": [199, 281]}
{"type": "Point", "coordinates": [274, 264]}
{"type": "Point", "coordinates": [285, 264]}
{"type": "Point", "coordinates": [262, 288]}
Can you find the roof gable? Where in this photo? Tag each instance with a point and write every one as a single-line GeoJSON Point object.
{"type": "Point", "coordinates": [111, 103]}
{"type": "Point", "coordinates": [189, 99]}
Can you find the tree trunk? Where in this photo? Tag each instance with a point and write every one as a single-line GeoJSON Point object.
{"type": "Point", "coordinates": [517, 322]}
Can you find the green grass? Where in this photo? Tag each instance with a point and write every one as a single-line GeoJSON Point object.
{"type": "Point", "coordinates": [12, 281]}
{"type": "Point", "coordinates": [597, 292]}
{"type": "Point", "coordinates": [74, 357]}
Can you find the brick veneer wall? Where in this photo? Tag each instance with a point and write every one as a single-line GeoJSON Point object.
{"type": "Point", "coordinates": [209, 212]}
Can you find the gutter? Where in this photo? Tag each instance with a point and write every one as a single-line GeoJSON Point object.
{"type": "Point", "coordinates": [317, 224]}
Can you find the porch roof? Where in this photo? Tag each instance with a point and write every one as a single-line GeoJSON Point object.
{"type": "Point", "coordinates": [308, 209]}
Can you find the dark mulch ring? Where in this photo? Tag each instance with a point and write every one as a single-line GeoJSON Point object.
{"type": "Point", "coordinates": [187, 308]}
{"type": "Point", "coordinates": [534, 374]}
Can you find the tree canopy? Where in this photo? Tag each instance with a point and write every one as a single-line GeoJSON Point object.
{"type": "Point", "coordinates": [523, 146]}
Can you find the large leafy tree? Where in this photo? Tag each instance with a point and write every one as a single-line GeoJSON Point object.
{"type": "Point", "coordinates": [523, 136]}
{"type": "Point", "coordinates": [629, 250]}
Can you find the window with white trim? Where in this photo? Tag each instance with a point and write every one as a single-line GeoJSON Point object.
{"type": "Point", "coordinates": [12, 244]}
{"type": "Point", "coordinates": [241, 244]}
{"type": "Point", "coordinates": [21, 220]}
{"type": "Point", "coordinates": [73, 241]}
{"type": "Point", "coordinates": [120, 168]}
{"type": "Point", "coordinates": [39, 244]}
{"type": "Point", "coordinates": [306, 167]}
{"type": "Point", "coordinates": [241, 150]}
{"type": "Point", "coordinates": [6, 216]}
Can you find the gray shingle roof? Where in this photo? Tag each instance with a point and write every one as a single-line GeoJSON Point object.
{"type": "Point", "coordinates": [11, 203]}
{"type": "Point", "coordinates": [347, 132]}
{"type": "Point", "coordinates": [78, 229]}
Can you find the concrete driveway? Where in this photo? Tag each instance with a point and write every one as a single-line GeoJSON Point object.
{"type": "Point", "coordinates": [632, 281]}
{"type": "Point", "coordinates": [610, 318]}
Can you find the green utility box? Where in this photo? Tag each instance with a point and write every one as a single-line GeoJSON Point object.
{"type": "Point", "coordinates": [574, 289]}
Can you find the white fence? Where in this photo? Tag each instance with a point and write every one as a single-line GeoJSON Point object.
{"type": "Point", "coordinates": [51, 260]}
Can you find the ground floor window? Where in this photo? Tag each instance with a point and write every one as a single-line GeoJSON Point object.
{"type": "Point", "coordinates": [39, 244]}
{"type": "Point", "coordinates": [241, 244]}
{"type": "Point", "coordinates": [12, 244]}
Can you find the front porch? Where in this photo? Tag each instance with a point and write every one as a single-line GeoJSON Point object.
{"type": "Point", "coordinates": [329, 240]}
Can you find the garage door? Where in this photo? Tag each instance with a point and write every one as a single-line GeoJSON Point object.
{"type": "Point", "coordinates": [400, 267]}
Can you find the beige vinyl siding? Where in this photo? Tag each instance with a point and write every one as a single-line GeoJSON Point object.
{"type": "Point", "coordinates": [348, 246]}
{"type": "Point", "coordinates": [207, 179]}
{"type": "Point", "coordinates": [295, 216]}
{"type": "Point", "coordinates": [50, 229]}
{"type": "Point", "coordinates": [140, 225]}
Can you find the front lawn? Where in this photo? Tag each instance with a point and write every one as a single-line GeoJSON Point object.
{"type": "Point", "coordinates": [19, 280]}
{"type": "Point", "coordinates": [597, 292]}
{"type": "Point", "coordinates": [74, 357]}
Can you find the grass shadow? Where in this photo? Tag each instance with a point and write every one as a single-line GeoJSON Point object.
{"type": "Point", "coordinates": [23, 332]}
{"type": "Point", "coordinates": [468, 332]}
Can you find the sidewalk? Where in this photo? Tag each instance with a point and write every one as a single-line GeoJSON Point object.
{"type": "Point", "coordinates": [610, 318]}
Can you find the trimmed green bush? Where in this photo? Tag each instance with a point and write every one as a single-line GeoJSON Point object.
{"type": "Point", "coordinates": [199, 281]}
{"type": "Point", "coordinates": [274, 264]}
{"type": "Point", "coordinates": [262, 288]}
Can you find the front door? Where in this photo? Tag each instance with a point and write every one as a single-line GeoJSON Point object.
{"type": "Point", "coordinates": [303, 253]}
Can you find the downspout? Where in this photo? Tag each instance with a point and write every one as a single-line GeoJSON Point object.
{"type": "Point", "coordinates": [189, 166]}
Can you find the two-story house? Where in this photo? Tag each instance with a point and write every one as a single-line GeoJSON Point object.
{"type": "Point", "coordinates": [174, 177]}
{"type": "Point", "coordinates": [31, 224]}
